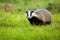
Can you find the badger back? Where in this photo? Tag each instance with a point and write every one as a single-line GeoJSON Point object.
{"type": "Point", "coordinates": [43, 14]}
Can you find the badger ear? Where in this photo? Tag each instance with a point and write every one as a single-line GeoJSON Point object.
{"type": "Point", "coordinates": [26, 11]}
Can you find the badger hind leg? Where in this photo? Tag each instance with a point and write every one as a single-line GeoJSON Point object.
{"type": "Point", "coordinates": [48, 22]}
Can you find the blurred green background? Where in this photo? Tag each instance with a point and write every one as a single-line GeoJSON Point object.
{"type": "Point", "coordinates": [15, 26]}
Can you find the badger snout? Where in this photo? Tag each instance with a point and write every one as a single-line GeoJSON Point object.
{"type": "Point", "coordinates": [29, 17]}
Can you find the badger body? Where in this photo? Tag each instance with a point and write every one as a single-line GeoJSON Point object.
{"type": "Point", "coordinates": [40, 16]}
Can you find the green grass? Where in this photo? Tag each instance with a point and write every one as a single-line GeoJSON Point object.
{"type": "Point", "coordinates": [17, 27]}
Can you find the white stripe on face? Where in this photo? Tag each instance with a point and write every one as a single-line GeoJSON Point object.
{"type": "Point", "coordinates": [29, 14]}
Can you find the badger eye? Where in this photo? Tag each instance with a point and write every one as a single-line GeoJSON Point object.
{"type": "Point", "coordinates": [32, 11]}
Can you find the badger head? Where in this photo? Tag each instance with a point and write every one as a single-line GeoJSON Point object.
{"type": "Point", "coordinates": [29, 14]}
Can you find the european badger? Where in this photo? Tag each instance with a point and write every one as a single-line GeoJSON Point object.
{"type": "Point", "coordinates": [40, 16]}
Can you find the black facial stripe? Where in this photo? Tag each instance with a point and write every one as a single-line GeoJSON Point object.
{"type": "Point", "coordinates": [28, 13]}
{"type": "Point", "coordinates": [31, 12]}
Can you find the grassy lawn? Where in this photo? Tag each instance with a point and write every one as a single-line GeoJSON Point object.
{"type": "Point", "coordinates": [17, 27]}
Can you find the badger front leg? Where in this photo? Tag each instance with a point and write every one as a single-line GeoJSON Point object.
{"type": "Point", "coordinates": [31, 22]}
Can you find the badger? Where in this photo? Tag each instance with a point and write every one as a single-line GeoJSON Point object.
{"type": "Point", "coordinates": [39, 16]}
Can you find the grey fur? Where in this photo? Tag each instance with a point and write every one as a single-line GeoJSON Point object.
{"type": "Point", "coordinates": [42, 16]}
